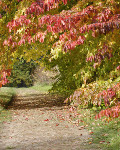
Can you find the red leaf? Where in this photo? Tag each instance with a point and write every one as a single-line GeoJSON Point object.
{"type": "Point", "coordinates": [46, 120]}
{"type": "Point", "coordinates": [26, 119]}
{"type": "Point", "coordinates": [102, 142]}
{"type": "Point", "coordinates": [91, 132]}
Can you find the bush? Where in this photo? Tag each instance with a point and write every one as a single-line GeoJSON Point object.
{"type": "Point", "coordinates": [21, 75]}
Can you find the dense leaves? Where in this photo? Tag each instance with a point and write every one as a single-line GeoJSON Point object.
{"type": "Point", "coordinates": [81, 38]}
{"type": "Point", "coordinates": [3, 78]}
{"type": "Point", "coordinates": [21, 74]}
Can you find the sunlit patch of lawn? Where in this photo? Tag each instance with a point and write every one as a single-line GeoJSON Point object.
{"type": "Point", "coordinates": [5, 115]}
{"type": "Point", "coordinates": [42, 88]}
{"type": "Point", "coordinates": [105, 132]}
{"type": "Point", "coordinates": [6, 93]}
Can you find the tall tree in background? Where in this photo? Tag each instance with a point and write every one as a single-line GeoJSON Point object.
{"type": "Point", "coordinates": [7, 13]}
{"type": "Point", "coordinates": [22, 74]}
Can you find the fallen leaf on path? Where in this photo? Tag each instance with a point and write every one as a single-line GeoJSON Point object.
{"type": "Point", "coordinates": [102, 142]}
{"type": "Point", "coordinates": [46, 120]}
{"type": "Point", "coordinates": [91, 132]}
{"type": "Point", "coordinates": [81, 127]}
{"type": "Point", "coordinates": [81, 121]}
{"type": "Point", "coordinates": [80, 134]}
{"type": "Point", "coordinates": [105, 134]}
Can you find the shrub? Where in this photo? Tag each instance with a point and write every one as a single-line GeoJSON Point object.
{"type": "Point", "coordinates": [21, 74]}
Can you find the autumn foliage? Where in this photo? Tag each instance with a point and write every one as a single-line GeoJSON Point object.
{"type": "Point", "coordinates": [4, 74]}
{"type": "Point", "coordinates": [88, 30]}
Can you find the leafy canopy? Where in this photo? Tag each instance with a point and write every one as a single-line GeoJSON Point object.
{"type": "Point", "coordinates": [81, 37]}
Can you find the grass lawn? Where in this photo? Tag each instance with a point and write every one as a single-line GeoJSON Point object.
{"type": "Point", "coordinates": [105, 133]}
{"type": "Point", "coordinates": [42, 88]}
{"type": "Point", "coordinates": [6, 93]}
{"type": "Point", "coordinates": [12, 90]}
{"type": "Point", "coordinates": [4, 115]}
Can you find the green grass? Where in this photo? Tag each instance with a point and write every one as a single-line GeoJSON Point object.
{"type": "Point", "coordinates": [10, 147]}
{"type": "Point", "coordinates": [38, 87]}
{"type": "Point", "coordinates": [7, 90]}
{"type": "Point", "coordinates": [105, 134]}
{"type": "Point", "coordinates": [1, 108]}
{"type": "Point", "coordinates": [6, 93]}
{"type": "Point", "coordinates": [5, 97]}
{"type": "Point", "coordinates": [108, 134]}
{"type": "Point", "coordinates": [42, 88]}
{"type": "Point", "coordinates": [4, 115]}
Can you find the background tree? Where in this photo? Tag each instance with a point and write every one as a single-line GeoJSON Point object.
{"type": "Point", "coordinates": [21, 74]}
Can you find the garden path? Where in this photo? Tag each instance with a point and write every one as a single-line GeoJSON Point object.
{"type": "Point", "coordinates": [46, 128]}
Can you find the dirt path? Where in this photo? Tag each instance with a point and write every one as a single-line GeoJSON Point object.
{"type": "Point", "coordinates": [42, 129]}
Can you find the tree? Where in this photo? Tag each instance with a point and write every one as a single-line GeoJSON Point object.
{"type": "Point", "coordinates": [21, 74]}
{"type": "Point", "coordinates": [7, 12]}
{"type": "Point", "coordinates": [85, 34]}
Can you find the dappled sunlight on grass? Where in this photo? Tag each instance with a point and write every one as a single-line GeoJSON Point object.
{"type": "Point", "coordinates": [6, 93]}
{"type": "Point", "coordinates": [42, 88]}
{"type": "Point", "coordinates": [105, 132]}
{"type": "Point", "coordinates": [5, 115]}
